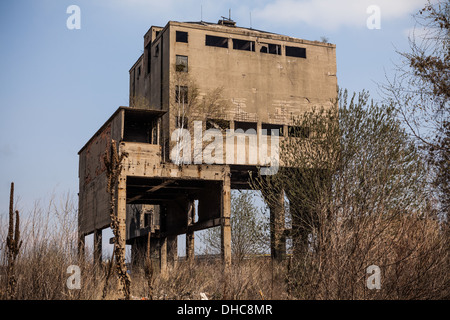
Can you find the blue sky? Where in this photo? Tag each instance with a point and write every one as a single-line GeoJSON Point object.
{"type": "Point", "coordinates": [58, 86]}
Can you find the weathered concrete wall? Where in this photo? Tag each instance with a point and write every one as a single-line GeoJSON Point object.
{"type": "Point", "coordinates": [262, 88]}
{"type": "Point", "coordinates": [93, 198]}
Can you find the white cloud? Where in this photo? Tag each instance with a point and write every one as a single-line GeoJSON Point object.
{"type": "Point", "coordinates": [332, 14]}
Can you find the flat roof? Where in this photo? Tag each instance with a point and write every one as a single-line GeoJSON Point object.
{"type": "Point", "coordinates": [247, 31]}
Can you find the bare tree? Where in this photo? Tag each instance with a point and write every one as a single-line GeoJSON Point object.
{"type": "Point", "coordinates": [188, 104]}
{"type": "Point", "coordinates": [357, 190]}
{"type": "Point", "coordinates": [113, 164]}
{"type": "Point", "coordinates": [13, 244]}
{"type": "Point", "coordinates": [420, 90]}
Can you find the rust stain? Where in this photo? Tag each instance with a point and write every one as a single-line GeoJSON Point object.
{"type": "Point", "coordinates": [94, 153]}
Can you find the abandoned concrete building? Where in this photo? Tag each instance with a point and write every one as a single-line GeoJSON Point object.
{"type": "Point", "coordinates": [250, 79]}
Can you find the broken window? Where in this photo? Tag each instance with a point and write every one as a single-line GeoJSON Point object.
{"type": "Point", "coordinates": [295, 52]}
{"type": "Point", "coordinates": [181, 63]}
{"type": "Point", "coordinates": [181, 122]}
{"type": "Point", "coordinates": [181, 36]}
{"type": "Point", "coordinates": [267, 129]}
{"type": "Point", "coordinates": [298, 132]}
{"type": "Point", "coordinates": [214, 41]}
{"type": "Point", "coordinates": [148, 56]}
{"type": "Point", "coordinates": [271, 48]}
{"type": "Point", "coordinates": [139, 127]}
{"type": "Point", "coordinates": [246, 45]}
{"type": "Point", "coordinates": [181, 94]}
{"type": "Point", "coordinates": [217, 124]}
{"type": "Point", "coordinates": [244, 125]}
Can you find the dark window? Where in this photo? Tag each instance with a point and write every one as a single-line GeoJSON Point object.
{"type": "Point", "coordinates": [181, 94]}
{"type": "Point", "coordinates": [148, 56]}
{"type": "Point", "coordinates": [181, 122]}
{"type": "Point", "coordinates": [298, 132]}
{"type": "Point", "coordinates": [214, 41]}
{"type": "Point", "coordinates": [139, 127]}
{"type": "Point", "coordinates": [157, 34]}
{"type": "Point", "coordinates": [296, 52]}
{"type": "Point", "coordinates": [147, 218]}
{"type": "Point", "coordinates": [243, 45]}
{"type": "Point", "coordinates": [156, 50]}
{"type": "Point", "coordinates": [267, 129]}
{"type": "Point", "coordinates": [139, 72]}
{"type": "Point", "coordinates": [217, 124]}
{"type": "Point", "coordinates": [244, 125]}
{"type": "Point", "coordinates": [182, 36]}
{"type": "Point", "coordinates": [181, 63]}
{"type": "Point", "coordinates": [271, 48]}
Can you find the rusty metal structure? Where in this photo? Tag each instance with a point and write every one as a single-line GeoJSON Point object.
{"type": "Point", "coordinates": [265, 78]}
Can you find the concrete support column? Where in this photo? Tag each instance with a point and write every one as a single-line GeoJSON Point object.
{"type": "Point", "coordinates": [172, 251]}
{"type": "Point", "coordinates": [163, 255]}
{"type": "Point", "coordinates": [98, 247]}
{"type": "Point", "coordinates": [81, 247]}
{"type": "Point", "coordinates": [121, 211]}
{"type": "Point", "coordinates": [225, 222]}
{"type": "Point", "coordinates": [121, 208]}
{"type": "Point", "coordinates": [190, 244]}
{"type": "Point", "coordinates": [277, 228]}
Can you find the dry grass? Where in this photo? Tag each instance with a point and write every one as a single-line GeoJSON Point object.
{"type": "Point", "coordinates": [412, 254]}
{"type": "Point", "coordinates": [50, 247]}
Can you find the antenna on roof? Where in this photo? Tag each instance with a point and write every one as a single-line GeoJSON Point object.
{"type": "Point", "coordinates": [227, 21]}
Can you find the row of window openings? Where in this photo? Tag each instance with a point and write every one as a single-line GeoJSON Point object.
{"type": "Point", "coordinates": [221, 124]}
{"type": "Point", "coordinates": [246, 45]}
{"type": "Point", "coordinates": [182, 61]}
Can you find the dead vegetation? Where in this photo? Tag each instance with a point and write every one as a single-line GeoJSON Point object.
{"type": "Point", "coordinates": [113, 164]}
{"type": "Point", "coordinates": [412, 253]}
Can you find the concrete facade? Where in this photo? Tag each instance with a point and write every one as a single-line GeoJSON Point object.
{"type": "Point", "coordinates": [263, 80]}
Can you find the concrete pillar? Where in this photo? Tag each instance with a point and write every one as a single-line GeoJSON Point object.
{"type": "Point", "coordinates": [81, 247]}
{"type": "Point", "coordinates": [98, 247]}
{"type": "Point", "coordinates": [225, 222]}
{"type": "Point", "coordinates": [172, 251]}
{"type": "Point", "coordinates": [163, 255]}
{"type": "Point", "coordinates": [121, 211]}
{"type": "Point", "coordinates": [277, 228]}
{"type": "Point", "coordinates": [121, 208]}
{"type": "Point", "coordinates": [190, 244]}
